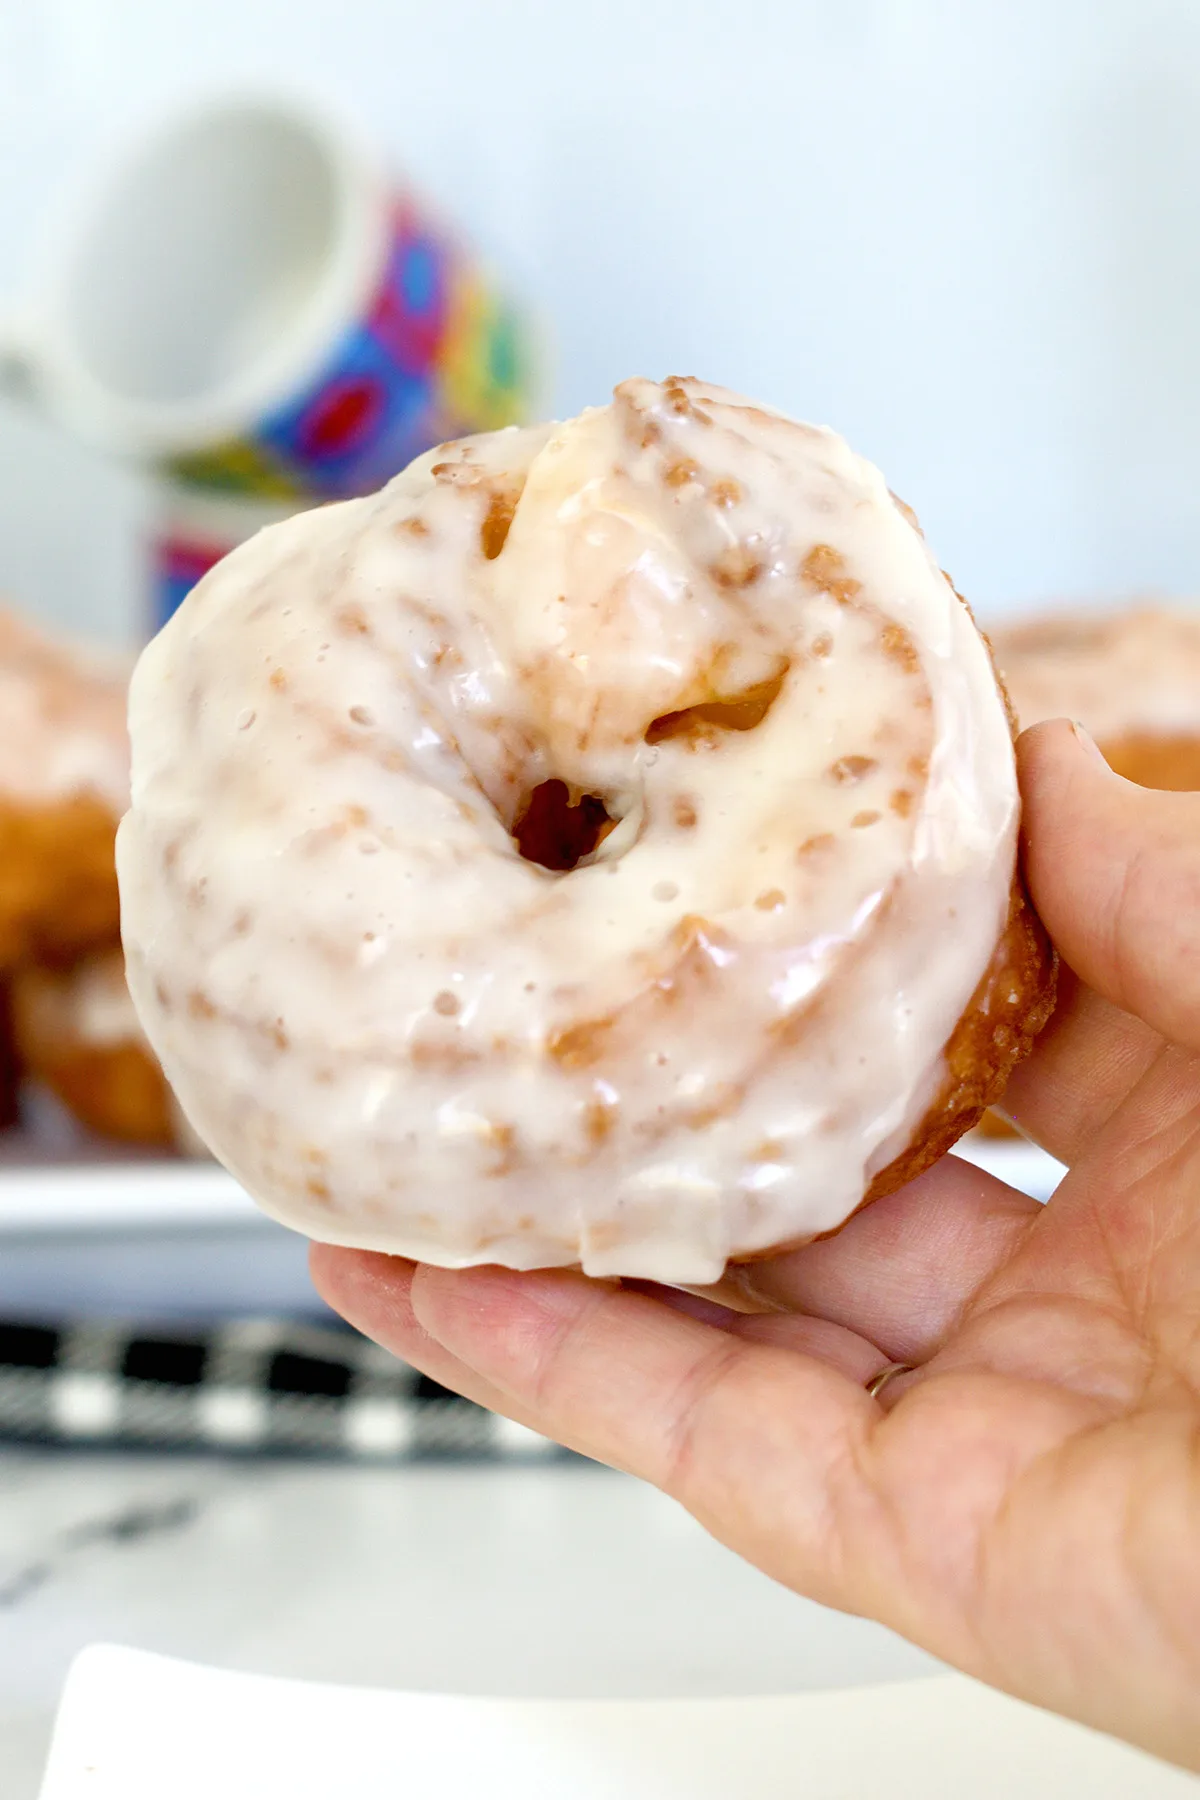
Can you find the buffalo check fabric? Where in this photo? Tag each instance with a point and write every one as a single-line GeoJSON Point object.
{"type": "Point", "coordinates": [250, 1387]}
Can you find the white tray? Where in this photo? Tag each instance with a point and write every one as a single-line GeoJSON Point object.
{"type": "Point", "coordinates": [140, 1727]}
{"type": "Point", "coordinates": [85, 1232]}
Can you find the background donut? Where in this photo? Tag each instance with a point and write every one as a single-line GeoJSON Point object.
{"type": "Point", "coordinates": [75, 1031]}
{"type": "Point", "coordinates": [1131, 677]}
{"type": "Point", "coordinates": [63, 786]}
{"type": "Point", "coordinates": [66, 1019]}
{"type": "Point", "coordinates": [10, 1076]}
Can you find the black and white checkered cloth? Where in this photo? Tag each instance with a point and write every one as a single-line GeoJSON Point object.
{"type": "Point", "coordinates": [252, 1386]}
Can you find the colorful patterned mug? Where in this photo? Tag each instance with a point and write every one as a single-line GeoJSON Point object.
{"type": "Point", "coordinates": [192, 529]}
{"type": "Point", "coordinates": [249, 302]}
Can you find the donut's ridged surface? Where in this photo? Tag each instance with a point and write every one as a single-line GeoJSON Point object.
{"type": "Point", "coordinates": [714, 1033]}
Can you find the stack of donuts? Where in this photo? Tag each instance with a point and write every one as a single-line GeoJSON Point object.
{"type": "Point", "coordinates": [67, 1024]}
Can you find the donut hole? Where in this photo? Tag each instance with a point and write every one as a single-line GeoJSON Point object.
{"type": "Point", "coordinates": [558, 826]}
{"type": "Point", "coordinates": [738, 712]}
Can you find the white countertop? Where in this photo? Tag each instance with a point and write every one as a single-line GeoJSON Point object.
{"type": "Point", "coordinates": [553, 1581]}
{"type": "Point", "coordinates": [538, 1581]}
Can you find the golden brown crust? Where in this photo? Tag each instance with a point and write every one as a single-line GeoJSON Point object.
{"type": "Point", "coordinates": [1008, 1009]}
{"type": "Point", "coordinates": [115, 1089]}
{"type": "Point", "coordinates": [58, 880]}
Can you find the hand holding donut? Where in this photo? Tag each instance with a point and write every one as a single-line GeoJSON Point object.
{"type": "Point", "coordinates": [598, 852]}
{"type": "Point", "coordinates": [1026, 1503]}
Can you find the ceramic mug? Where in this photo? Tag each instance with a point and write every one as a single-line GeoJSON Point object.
{"type": "Point", "coordinates": [191, 530]}
{"type": "Point", "coordinates": [248, 301]}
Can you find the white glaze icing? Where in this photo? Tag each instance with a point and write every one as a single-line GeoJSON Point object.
{"type": "Point", "coordinates": [1134, 671]}
{"type": "Point", "coordinates": [62, 722]}
{"type": "Point", "coordinates": [706, 1038]}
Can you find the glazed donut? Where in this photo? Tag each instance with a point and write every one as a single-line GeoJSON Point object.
{"type": "Point", "coordinates": [64, 782]}
{"type": "Point", "coordinates": [77, 1033]}
{"type": "Point", "coordinates": [1131, 677]}
{"type": "Point", "coordinates": [598, 849]}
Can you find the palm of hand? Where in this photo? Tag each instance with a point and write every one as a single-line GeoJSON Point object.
{"type": "Point", "coordinates": [1027, 1503]}
{"type": "Point", "coordinates": [1034, 1493]}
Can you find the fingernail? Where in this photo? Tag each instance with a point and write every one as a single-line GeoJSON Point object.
{"type": "Point", "coordinates": [1087, 742]}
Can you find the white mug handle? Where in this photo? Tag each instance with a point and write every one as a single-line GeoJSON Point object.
{"type": "Point", "coordinates": [22, 358]}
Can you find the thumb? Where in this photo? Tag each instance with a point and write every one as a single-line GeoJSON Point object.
{"type": "Point", "coordinates": [1114, 871]}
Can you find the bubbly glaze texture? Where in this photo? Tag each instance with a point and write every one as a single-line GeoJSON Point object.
{"type": "Point", "coordinates": [1133, 671]}
{"type": "Point", "coordinates": [63, 723]}
{"type": "Point", "coordinates": [705, 1038]}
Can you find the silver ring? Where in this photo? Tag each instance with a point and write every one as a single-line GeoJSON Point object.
{"type": "Point", "coordinates": [888, 1373]}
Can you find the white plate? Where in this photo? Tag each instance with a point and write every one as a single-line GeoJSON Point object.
{"type": "Point", "coordinates": [96, 1235]}
{"type": "Point", "coordinates": [87, 1230]}
{"type": "Point", "coordinates": [139, 1727]}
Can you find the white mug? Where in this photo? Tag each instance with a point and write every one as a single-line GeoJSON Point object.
{"type": "Point", "coordinates": [248, 299]}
